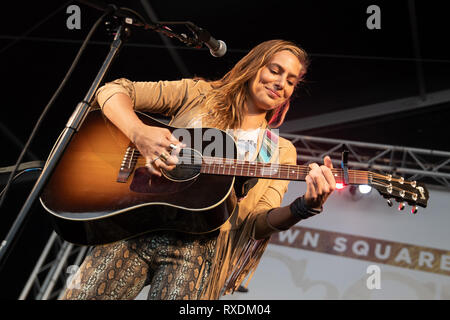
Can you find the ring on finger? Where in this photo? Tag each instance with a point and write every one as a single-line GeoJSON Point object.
{"type": "Point", "coordinates": [149, 163]}
{"type": "Point", "coordinates": [164, 156]}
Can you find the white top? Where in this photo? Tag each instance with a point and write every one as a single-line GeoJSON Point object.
{"type": "Point", "coordinates": [246, 140]}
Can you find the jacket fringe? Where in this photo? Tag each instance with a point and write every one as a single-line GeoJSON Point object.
{"type": "Point", "coordinates": [235, 259]}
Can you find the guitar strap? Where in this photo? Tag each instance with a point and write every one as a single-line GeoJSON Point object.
{"type": "Point", "coordinates": [269, 146]}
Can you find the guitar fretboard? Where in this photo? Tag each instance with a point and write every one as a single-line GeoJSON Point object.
{"type": "Point", "coordinates": [274, 171]}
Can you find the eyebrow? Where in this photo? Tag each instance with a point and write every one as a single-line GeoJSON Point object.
{"type": "Point", "coordinates": [279, 66]}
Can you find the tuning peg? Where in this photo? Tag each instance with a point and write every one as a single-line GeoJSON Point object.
{"type": "Point", "coordinates": [414, 209]}
{"type": "Point", "coordinates": [401, 206]}
{"type": "Point", "coordinates": [389, 202]}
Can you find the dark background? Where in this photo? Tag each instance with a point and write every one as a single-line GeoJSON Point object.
{"type": "Point", "coordinates": [351, 66]}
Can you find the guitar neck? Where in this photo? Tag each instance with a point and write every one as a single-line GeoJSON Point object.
{"type": "Point", "coordinates": [240, 168]}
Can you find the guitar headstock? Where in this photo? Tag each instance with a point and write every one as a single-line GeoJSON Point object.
{"type": "Point", "coordinates": [412, 192]}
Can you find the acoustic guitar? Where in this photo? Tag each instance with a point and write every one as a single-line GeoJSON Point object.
{"type": "Point", "coordinates": [101, 191]}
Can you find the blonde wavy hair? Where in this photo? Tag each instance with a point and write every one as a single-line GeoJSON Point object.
{"type": "Point", "coordinates": [225, 104]}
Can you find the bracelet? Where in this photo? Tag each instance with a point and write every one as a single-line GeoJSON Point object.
{"type": "Point", "coordinates": [300, 210]}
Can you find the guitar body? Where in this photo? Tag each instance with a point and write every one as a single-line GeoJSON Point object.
{"type": "Point", "coordinates": [100, 192]}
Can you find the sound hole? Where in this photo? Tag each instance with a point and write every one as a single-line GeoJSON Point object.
{"type": "Point", "coordinates": [188, 167]}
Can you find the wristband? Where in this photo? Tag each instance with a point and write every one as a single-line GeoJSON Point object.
{"type": "Point", "coordinates": [300, 210]}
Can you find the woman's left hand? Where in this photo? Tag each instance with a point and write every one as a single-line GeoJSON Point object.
{"type": "Point", "coordinates": [320, 183]}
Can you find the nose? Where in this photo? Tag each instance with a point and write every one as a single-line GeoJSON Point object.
{"type": "Point", "coordinates": [280, 82]}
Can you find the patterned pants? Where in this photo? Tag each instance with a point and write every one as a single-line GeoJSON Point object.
{"type": "Point", "coordinates": [175, 265]}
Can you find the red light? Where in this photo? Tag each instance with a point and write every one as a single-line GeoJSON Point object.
{"type": "Point", "coordinates": [339, 186]}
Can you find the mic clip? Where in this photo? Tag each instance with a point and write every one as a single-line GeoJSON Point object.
{"type": "Point", "coordinates": [201, 34]}
{"type": "Point", "coordinates": [193, 41]}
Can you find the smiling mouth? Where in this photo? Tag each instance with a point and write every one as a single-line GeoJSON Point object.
{"type": "Point", "coordinates": [273, 93]}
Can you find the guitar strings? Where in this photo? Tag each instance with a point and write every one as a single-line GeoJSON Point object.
{"type": "Point", "coordinates": [243, 162]}
{"type": "Point", "coordinates": [382, 184]}
{"type": "Point", "coordinates": [335, 170]}
{"type": "Point", "coordinates": [355, 175]}
{"type": "Point", "coordinates": [283, 168]}
{"type": "Point", "coordinates": [246, 165]}
{"type": "Point", "coordinates": [229, 161]}
{"type": "Point", "coordinates": [242, 165]}
{"type": "Point", "coordinates": [288, 173]}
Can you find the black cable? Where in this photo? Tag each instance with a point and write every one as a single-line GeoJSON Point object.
{"type": "Point", "coordinates": [19, 174]}
{"type": "Point", "coordinates": [49, 105]}
{"type": "Point", "coordinates": [137, 14]}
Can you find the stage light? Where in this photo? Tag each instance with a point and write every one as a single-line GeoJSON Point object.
{"type": "Point", "coordinates": [364, 188]}
{"type": "Point", "coordinates": [339, 186]}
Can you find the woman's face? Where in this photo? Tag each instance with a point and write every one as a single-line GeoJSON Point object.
{"type": "Point", "coordinates": [275, 82]}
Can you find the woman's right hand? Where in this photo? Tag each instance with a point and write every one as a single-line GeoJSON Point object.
{"type": "Point", "coordinates": [154, 141]}
{"type": "Point", "coordinates": [150, 141]}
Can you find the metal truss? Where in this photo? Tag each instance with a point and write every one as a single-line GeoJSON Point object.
{"type": "Point", "coordinates": [57, 262]}
{"type": "Point", "coordinates": [429, 166]}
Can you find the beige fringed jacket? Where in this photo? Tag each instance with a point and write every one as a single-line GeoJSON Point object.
{"type": "Point", "coordinates": [244, 237]}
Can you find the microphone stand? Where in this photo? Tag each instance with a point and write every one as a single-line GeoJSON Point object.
{"type": "Point", "coordinates": [122, 32]}
{"type": "Point", "coordinates": [120, 23]}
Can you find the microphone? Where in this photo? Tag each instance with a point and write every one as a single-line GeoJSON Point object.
{"type": "Point", "coordinates": [217, 48]}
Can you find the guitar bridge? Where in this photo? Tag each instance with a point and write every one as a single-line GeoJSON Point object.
{"type": "Point", "coordinates": [128, 163]}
